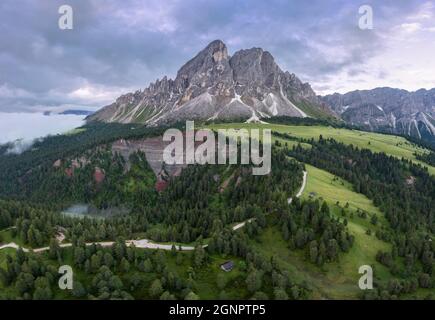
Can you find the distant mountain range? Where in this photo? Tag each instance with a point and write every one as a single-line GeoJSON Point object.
{"type": "Point", "coordinates": [213, 85]}
{"type": "Point", "coordinates": [250, 86]}
{"type": "Point", "coordinates": [77, 112]}
{"type": "Point", "coordinates": [71, 112]}
{"type": "Point", "coordinates": [390, 110]}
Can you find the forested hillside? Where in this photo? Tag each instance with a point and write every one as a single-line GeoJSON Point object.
{"type": "Point", "coordinates": [283, 247]}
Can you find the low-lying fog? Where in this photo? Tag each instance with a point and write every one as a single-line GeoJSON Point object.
{"type": "Point", "coordinates": [27, 127]}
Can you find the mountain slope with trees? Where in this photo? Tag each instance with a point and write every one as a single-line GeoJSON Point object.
{"type": "Point", "coordinates": [312, 235]}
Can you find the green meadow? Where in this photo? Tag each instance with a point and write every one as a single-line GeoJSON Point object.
{"type": "Point", "coordinates": [392, 145]}
{"type": "Point", "coordinates": [337, 280]}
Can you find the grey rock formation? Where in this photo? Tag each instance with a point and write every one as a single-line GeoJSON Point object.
{"type": "Point", "coordinates": [249, 85]}
{"type": "Point", "coordinates": [390, 110]}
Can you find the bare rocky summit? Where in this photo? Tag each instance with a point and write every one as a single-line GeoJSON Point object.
{"type": "Point", "coordinates": [250, 86]}
{"type": "Point", "coordinates": [387, 109]}
{"type": "Point", "coordinates": [213, 85]}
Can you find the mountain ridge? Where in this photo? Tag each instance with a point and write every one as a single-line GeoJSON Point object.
{"type": "Point", "coordinates": [250, 86]}
{"type": "Point", "coordinates": [214, 85]}
{"type": "Point", "coordinates": [388, 109]}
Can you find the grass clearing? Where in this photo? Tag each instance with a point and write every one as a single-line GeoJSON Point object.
{"type": "Point", "coordinates": [392, 145]}
{"type": "Point", "coordinates": [333, 189]}
{"type": "Point", "coordinates": [365, 246]}
{"type": "Point", "coordinates": [7, 237]}
{"type": "Point", "coordinates": [337, 280]}
{"type": "Point", "coordinates": [74, 131]}
{"type": "Point", "coordinates": [205, 277]}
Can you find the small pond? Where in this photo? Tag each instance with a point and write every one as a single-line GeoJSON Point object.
{"type": "Point", "coordinates": [84, 210]}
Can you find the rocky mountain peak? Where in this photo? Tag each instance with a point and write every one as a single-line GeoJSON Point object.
{"type": "Point", "coordinates": [206, 70]}
{"type": "Point", "coordinates": [255, 66]}
{"type": "Point", "coordinates": [213, 85]}
{"type": "Point", "coordinates": [388, 109]}
{"type": "Point", "coordinates": [214, 57]}
{"type": "Point", "coordinates": [219, 50]}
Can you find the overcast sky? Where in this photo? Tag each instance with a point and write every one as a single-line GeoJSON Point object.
{"type": "Point", "coordinates": [120, 46]}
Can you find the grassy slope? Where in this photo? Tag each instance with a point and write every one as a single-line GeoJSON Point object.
{"type": "Point", "coordinates": [334, 280]}
{"type": "Point", "coordinates": [313, 111]}
{"type": "Point", "coordinates": [377, 142]}
{"type": "Point", "coordinates": [337, 280]}
{"type": "Point", "coordinates": [74, 131]}
{"type": "Point", "coordinates": [205, 277]}
{"type": "Point", "coordinates": [365, 246]}
{"type": "Point", "coordinates": [6, 236]}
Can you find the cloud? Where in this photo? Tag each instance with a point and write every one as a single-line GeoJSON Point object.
{"type": "Point", "coordinates": [424, 12]}
{"type": "Point", "coordinates": [6, 91]}
{"type": "Point", "coordinates": [121, 46]}
{"type": "Point", "coordinates": [19, 146]}
{"type": "Point", "coordinates": [411, 27]}
{"type": "Point", "coordinates": [21, 129]}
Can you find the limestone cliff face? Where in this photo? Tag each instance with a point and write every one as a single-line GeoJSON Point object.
{"type": "Point", "coordinates": [213, 85]}
{"type": "Point", "coordinates": [387, 109]}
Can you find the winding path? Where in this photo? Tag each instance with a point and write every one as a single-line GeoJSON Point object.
{"type": "Point", "coordinates": [144, 243]}
{"type": "Point", "coordinates": [289, 201]}
{"type": "Point", "coordinates": [301, 190]}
